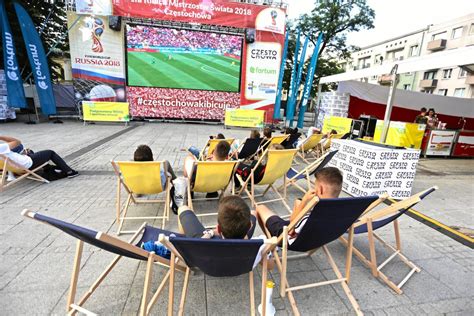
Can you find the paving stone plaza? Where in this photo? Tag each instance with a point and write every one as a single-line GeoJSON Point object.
{"type": "Point", "coordinates": [36, 260]}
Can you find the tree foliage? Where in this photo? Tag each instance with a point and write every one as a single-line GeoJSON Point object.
{"type": "Point", "coordinates": [48, 17]}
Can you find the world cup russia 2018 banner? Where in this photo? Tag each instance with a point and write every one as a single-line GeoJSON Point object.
{"type": "Point", "coordinates": [214, 12]}
{"type": "Point", "coordinates": [180, 103]}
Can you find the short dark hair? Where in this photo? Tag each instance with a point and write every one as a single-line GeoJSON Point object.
{"type": "Point", "coordinates": [233, 217]}
{"type": "Point", "coordinates": [423, 109]}
{"type": "Point", "coordinates": [254, 134]}
{"type": "Point", "coordinates": [332, 177]}
{"type": "Point", "coordinates": [222, 149]}
{"type": "Point", "coordinates": [220, 136]}
{"type": "Point", "coordinates": [333, 132]}
{"type": "Point", "coordinates": [143, 153]}
{"type": "Point", "coordinates": [267, 132]}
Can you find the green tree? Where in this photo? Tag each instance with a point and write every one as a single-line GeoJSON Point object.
{"type": "Point", "coordinates": [50, 18]}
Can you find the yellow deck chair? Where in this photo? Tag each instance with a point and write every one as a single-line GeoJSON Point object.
{"type": "Point", "coordinates": [210, 176]}
{"type": "Point", "coordinates": [22, 173]}
{"type": "Point", "coordinates": [144, 178]}
{"type": "Point", "coordinates": [327, 146]}
{"type": "Point", "coordinates": [211, 145]}
{"type": "Point", "coordinates": [278, 162]}
{"type": "Point", "coordinates": [274, 140]}
{"type": "Point", "coordinates": [311, 147]}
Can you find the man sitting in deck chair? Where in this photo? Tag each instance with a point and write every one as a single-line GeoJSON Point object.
{"type": "Point", "coordinates": [328, 185]}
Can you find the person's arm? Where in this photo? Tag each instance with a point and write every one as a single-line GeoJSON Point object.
{"type": "Point", "coordinates": [12, 142]}
{"type": "Point", "coordinates": [300, 206]}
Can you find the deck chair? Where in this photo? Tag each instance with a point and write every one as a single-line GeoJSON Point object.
{"type": "Point", "coordinates": [278, 162]}
{"type": "Point", "coordinates": [377, 219]}
{"type": "Point", "coordinates": [114, 245]}
{"type": "Point", "coordinates": [140, 178]}
{"type": "Point", "coordinates": [311, 148]}
{"type": "Point", "coordinates": [218, 258]}
{"type": "Point", "coordinates": [274, 140]}
{"type": "Point", "coordinates": [327, 146]}
{"type": "Point", "coordinates": [249, 148]}
{"type": "Point", "coordinates": [329, 219]}
{"type": "Point", "coordinates": [7, 165]}
{"type": "Point", "coordinates": [210, 176]}
{"type": "Point", "coordinates": [288, 143]}
{"type": "Point", "coordinates": [293, 175]}
{"type": "Point", "coordinates": [211, 145]}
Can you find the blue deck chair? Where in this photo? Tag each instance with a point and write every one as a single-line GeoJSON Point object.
{"type": "Point", "coordinates": [114, 245]}
{"type": "Point", "coordinates": [377, 219]}
{"type": "Point", "coordinates": [249, 148]}
{"type": "Point", "coordinates": [293, 175]}
{"type": "Point", "coordinates": [218, 258]}
{"type": "Point", "coordinates": [329, 219]}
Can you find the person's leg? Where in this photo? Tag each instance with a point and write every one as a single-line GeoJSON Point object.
{"type": "Point", "coordinates": [253, 221]}
{"type": "Point", "coordinates": [188, 223]}
{"type": "Point", "coordinates": [43, 156]}
{"type": "Point", "coordinates": [269, 220]}
{"type": "Point", "coordinates": [169, 169]}
{"type": "Point", "coordinates": [188, 165]}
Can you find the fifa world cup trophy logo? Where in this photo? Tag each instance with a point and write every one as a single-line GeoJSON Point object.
{"type": "Point", "coordinates": [96, 26]}
{"type": "Point", "coordinates": [274, 15]}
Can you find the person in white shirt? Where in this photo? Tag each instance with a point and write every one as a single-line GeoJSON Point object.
{"type": "Point", "coordinates": [32, 160]}
{"type": "Point", "coordinates": [328, 186]}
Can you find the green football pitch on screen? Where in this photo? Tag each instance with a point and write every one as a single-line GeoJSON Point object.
{"type": "Point", "coordinates": [183, 70]}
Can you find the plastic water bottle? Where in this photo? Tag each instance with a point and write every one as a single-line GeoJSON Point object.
{"type": "Point", "coordinates": [269, 308]}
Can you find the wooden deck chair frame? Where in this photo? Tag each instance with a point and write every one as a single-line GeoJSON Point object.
{"type": "Point", "coordinates": [311, 148]}
{"type": "Point", "coordinates": [274, 140]}
{"type": "Point", "coordinates": [74, 306]}
{"type": "Point", "coordinates": [367, 219]}
{"type": "Point", "coordinates": [251, 180]}
{"type": "Point", "coordinates": [326, 147]}
{"type": "Point", "coordinates": [8, 165]}
{"type": "Point", "coordinates": [190, 188]}
{"type": "Point", "coordinates": [131, 198]}
{"type": "Point", "coordinates": [176, 258]}
{"type": "Point", "coordinates": [211, 145]}
{"type": "Point", "coordinates": [282, 263]}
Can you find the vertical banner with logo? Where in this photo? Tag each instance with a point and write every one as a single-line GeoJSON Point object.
{"type": "Point", "coordinates": [276, 113]}
{"type": "Point", "coordinates": [293, 97]}
{"type": "Point", "coordinates": [293, 76]}
{"type": "Point", "coordinates": [309, 81]}
{"type": "Point", "coordinates": [38, 62]}
{"type": "Point", "coordinates": [97, 59]}
{"type": "Point", "coordinates": [16, 94]}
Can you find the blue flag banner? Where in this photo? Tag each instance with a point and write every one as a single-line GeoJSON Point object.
{"type": "Point", "coordinates": [309, 81]}
{"type": "Point", "coordinates": [289, 111]}
{"type": "Point", "coordinates": [15, 92]}
{"type": "Point", "coordinates": [38, 62]}
{"type": "Point", "coordinates": [276, 112]}
{"type": "Point", "coordinates": [297, 82]}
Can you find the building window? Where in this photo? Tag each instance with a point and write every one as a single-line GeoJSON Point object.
{"type": "Point", "coordinates": [406, 86]}
{"type": "Point", "coordinates": [459, 92]}
{"type": "Point", "coordinates": [442, 35]}
{"type": "Point", "coordinates": [462, 73]}
{"type": "Point", "coordinates": [429, 75]}
{"type": "Point", "coordinates": [443, 92]}
{"type": "Point", "coordinates": [457, 32]}
{"type": "Point", "coordinates": [413, 50]}
{"type": "Point", "coordinates": [447, 73]}
{"type": "Point", "coordinates": [471, 31]}
{"type": "Point", "coordinates": [428, 91]}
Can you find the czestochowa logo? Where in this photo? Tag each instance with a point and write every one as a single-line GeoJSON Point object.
{"type": "Point", "coordinates": [11, 68]}
{"type": "Point", "coordinates": [37, 67]}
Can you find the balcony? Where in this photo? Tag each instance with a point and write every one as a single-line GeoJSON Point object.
{"type": "Point", "coordinates": [436, 45]}
{"type": "Point", "coordinates": [470, 79]}
{"type": "Point", "coordinates": [428, 83]}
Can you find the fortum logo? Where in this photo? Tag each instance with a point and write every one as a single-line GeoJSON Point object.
{"type": "Point", "coordinates": [258, 70]}
{"type": "Point", "coordinates": [11, 67]}
{"type": "Point", "coordinates": [37, 65]}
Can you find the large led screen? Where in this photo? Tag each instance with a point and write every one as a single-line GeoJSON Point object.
{"type": "Point", "coordinates": [185, 59]}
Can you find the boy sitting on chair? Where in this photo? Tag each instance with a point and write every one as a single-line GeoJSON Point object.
{"type": "Point", "coordinates": [234, 221]}
{"type": "Point", "coordinates": [328, 186]}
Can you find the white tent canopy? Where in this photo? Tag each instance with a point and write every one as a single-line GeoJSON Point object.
{"type": "Point", "coordinates": [453, 57]}
{"type": "Point", "coordinates": [409, 99]}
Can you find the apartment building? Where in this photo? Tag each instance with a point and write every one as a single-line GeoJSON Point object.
{"type": "Point", "coordinates": [455, 81]}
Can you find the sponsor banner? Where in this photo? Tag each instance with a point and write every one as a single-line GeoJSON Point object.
{"type": "Point", "coordinates": [97, 58]}
{"type": "Point", "coordinates": [341, 124]}
{"type": "Point", "coordinates": [244, 118]}
{"type": "Point", "coordinates": [180, 103]}
{"type": "Point", "coordinates": [262, 70]}
{"type": "Point", "coordinates": [99, 7]}
{"type": "Point", "coordinates": [409, 135]}
{"type": "Point", "coordinates": [440, 143]}
{"type": "Point", "coordinates": [38, 62]}
{"type": "Point", "coordinates": [105, 111]}
{"type": "Point", "coordinates": [214, 12]}
{"type": "Point", "coordinates": [15, 91]}
{"type": "Point", "coordinates": [373, 169]}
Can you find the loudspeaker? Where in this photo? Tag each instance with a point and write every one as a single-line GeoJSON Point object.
{"type": "Point", "coordinates": [115, 22]}
{"type": "Point", "coordinates": [250, 35]}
